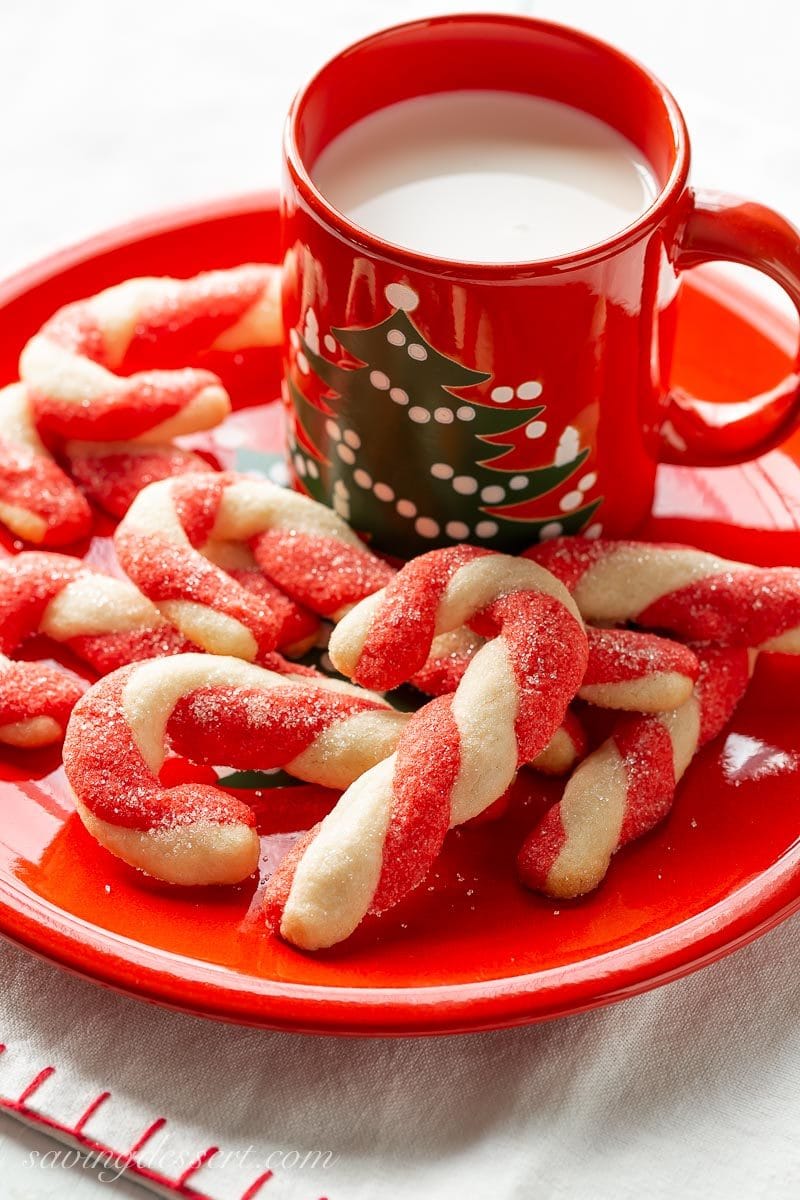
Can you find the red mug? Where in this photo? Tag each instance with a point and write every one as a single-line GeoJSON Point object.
{"type": "Point", "coordinates": [433, 401]}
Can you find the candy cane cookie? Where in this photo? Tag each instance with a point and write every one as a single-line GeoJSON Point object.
{"type": "Point", "coordinates": [304, 547]}
{"type": "Point", "coordinates": [104, 621]}
{"type": "Point", "coordinates": [694, 594]}
{"type": "Point", "coordinates": [38, 502]}
{"type": "Point", "coordinates": [35, 702]}
{"type": "Point", "coordinates": [626, 787]}
{"type": "Point", "coordinates": [456, 755]}
{"type": "Point", "coordinates": [77, 367]}
{"type": "Point", "coordinates": [212, 709]}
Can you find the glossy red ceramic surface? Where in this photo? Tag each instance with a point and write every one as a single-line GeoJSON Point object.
{"type": "Point", "coordinates": [595, 328]}
{"type": "Point", "coordinates": [471, 949]}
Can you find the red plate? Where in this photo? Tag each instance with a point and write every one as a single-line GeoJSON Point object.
{"type": "Point", "coordinates": [471, 950]}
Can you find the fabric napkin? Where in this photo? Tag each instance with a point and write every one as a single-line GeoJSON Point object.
{"type": "Point", "coordinates": [691, 1091]}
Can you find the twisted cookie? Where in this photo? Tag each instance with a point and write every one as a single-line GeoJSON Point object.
{"type": "Point", "coordinates": [696, 595]}
{"type": "Point", "coordinates": [71, 365]}
{"type": "Point", "coordinates": [456, 755]}
{"type": "Point", "coordinates": [212, 709]}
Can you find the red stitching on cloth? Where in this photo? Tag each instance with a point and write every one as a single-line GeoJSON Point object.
{"type": "Point", "coordinates": [91, 1110]}
{"type": "Point", "coordinates": [256, 1186]}
{"type": "Point", "coordinates": [199, 1162]}
{"type": "Point", "coordinates": [35, 1083]}
{"type": "Point", "coordinates": [126, 1161]}
{"type": "Point", "coordinates": [159, 1123]}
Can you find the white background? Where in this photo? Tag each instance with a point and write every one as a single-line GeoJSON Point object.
{"type": "Point", "coordinates": [112, 109]}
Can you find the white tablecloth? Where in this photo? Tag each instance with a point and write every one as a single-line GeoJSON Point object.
{"type": "Point", "coordinates": [110, 110]}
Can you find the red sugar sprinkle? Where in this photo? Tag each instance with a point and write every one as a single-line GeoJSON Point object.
{"type": "Point", "coordinates": [257, 729]}
{"type": "Point", "coordinates": [28, 583]}
{"type": "Point", "coordinates": [179, 330]}
{"type": "Point", "coordinates": [568, 558]}
{"type": "Point", "coordinates": [277, 890]}
{"type": "Point", "coordinates": [541, 849]}
{"type": "Point", "coordinates": [548, 650]}
{"type": "Point", "coordinates": [74, 328]}
{"type": "Point", "coordinates": [111, 779]}
{"type": "Point", "coordinates": [724, 678]}
{"type": "Point", "coordinates": [166, 571]}
{"type": "Point", "coordinates": [196, 503]}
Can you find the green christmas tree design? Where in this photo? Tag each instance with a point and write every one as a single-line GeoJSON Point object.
{"type": "Point", "coordinates": [351, 433]}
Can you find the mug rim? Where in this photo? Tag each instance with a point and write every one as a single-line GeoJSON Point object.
{"type": "Point", "coordinates": [339, 224]}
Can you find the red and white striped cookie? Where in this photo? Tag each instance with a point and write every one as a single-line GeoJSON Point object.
{"type": "Point", "coordinates": [38, 502]}
{"type": "Point", "coordinates": [457, 754]}
{"type": "Point", "coordinates": [78, 366]}
{"type": "Point", "coordinates": [211, 709]}
{"type": "Point", "coordinates": [626, 669]}
{"type": "Point", "coordinates": [692, 593]}
{"type": "Point", "coordinates": [304, 547]}
{"type": "Point", "coordinates": [623, 789]}
{"type": "Point", "coordinates": [105, 621]}
{"type": "Point", "coordinates": [35, 702]}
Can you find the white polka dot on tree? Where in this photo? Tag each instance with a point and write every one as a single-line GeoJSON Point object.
{"type": "Point", "coordinates": [530, 390]}
{"type": "Point", "coordinates": [401, 296]}
{"type": "Point", "coordinates": [426, 527]}
{"type": "Point", "coordinates": [486, 529]}
{"type": "Point", "coordinates": [457, 530]}
{"type": "Point", "coordinates": [465, 485]}
{"type": "Point", "coordinates": [552, 529]}
{"type": "Point", "coordinates": [570, 501]}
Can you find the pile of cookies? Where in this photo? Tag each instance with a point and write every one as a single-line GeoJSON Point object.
{"type": "Point", "coordinates": [229, 578]}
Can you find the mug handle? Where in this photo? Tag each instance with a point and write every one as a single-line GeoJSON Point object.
{"type": "Point", "coordinates": [696, 432]}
